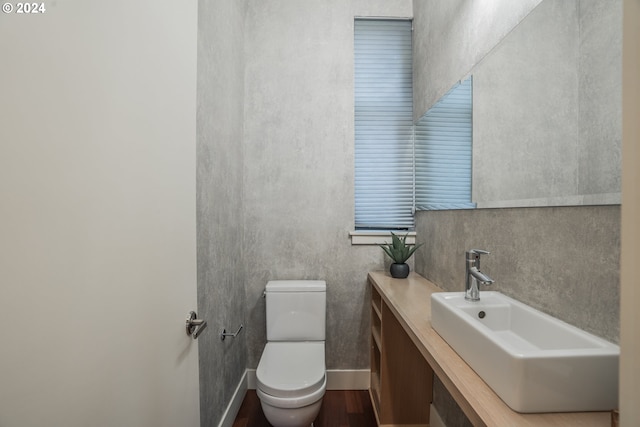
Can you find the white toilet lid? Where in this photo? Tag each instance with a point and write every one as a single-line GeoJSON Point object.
{"type": "Point", "coordinates": [291, 369]}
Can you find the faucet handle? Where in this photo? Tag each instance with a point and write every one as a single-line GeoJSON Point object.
{"type": "Point", "coordinates": [473, 256]}
{"type": "Point", "coordinates": [475, 253]}
{"type": "Point", "coordinates": [480, 251]}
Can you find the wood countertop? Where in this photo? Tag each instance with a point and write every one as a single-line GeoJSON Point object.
{"type": "Point", "coordinates": [410, 301]}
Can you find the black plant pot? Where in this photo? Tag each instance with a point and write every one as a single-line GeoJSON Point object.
{"type": "Point", "coordinates": [399, 271]}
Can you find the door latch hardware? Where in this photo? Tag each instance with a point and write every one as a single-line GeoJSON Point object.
{"type": "Point", "coordinates": [195, 326]}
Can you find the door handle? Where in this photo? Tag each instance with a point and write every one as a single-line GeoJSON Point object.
{"type": "Point", "coordinates": [194, 325]}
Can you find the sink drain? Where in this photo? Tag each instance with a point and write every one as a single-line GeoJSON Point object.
{"type": "Point", "coordinates": [482, 314]}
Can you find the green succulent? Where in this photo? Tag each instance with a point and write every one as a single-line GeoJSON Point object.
{"type": "Point", "coordinates": [398, 249]}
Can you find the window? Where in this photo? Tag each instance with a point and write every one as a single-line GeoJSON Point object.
{"type": "Point", "coordinates": [400, 167]}
{"type": "Point", "coordinates": [443, 152]}
{"type": "Point", "coordinates": [383, 125]}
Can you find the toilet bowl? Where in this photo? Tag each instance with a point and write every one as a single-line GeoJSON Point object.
{"type": "Point", "coordinates": [291, 382]}
{"type": "Point", "coordinates": [291, 375]}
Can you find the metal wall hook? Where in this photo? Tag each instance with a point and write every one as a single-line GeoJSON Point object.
{"type": "Point", "coordinates": [195, 326]}
{"type": "Point", "coordinates": [224, 333]}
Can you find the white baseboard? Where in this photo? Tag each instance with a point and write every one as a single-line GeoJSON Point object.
{"type": "Point", "coordinates": [434, 418]}
{"type": "Point", "coordinates": [337, 379]}
{"type": "Point", "coordinates": [231, 412]}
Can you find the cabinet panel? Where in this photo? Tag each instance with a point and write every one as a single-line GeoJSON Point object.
{"type": "Point", "coordinates": [375, 378]}
{"type": "Point", "coordinates": [406, 378]}
{"type": "Point", "coordinates": [376, 348]}
{"type": "Point", "coordinates": [401, 379]}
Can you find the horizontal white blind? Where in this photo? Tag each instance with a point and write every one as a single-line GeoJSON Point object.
{"type": "Point", "coordinates": [443, 147]}
{"type": "Point", "coordinates": [383, 124]}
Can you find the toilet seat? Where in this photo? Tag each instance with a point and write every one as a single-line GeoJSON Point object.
{"type": "Point", "coordinates": [292, 402]}
{"type": "Point", "coordinates": [291, 374]}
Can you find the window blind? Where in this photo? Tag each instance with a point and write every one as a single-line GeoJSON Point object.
{"type": "Point", "coordinates": [383, 124]}
{"type": "Point", "coordinates": [443, 147]}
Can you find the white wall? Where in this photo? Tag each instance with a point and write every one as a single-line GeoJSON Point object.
{"type": "Point", "coordinates": [97, 215]}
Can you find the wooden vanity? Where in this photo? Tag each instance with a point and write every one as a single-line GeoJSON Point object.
{"type": "Point", "coordinates": [406, 352]}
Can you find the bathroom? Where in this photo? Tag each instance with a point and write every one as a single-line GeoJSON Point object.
{"type": "Point", "coordinates": [273, 139]}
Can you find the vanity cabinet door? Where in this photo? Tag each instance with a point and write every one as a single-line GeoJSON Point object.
{"type": "Point", "coordinates": [401, 379]}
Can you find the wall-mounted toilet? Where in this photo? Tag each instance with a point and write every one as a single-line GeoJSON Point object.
{"type": "Point", "coordinates": [291, 375]}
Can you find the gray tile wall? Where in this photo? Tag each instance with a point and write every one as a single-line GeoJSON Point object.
{"type": "Point", "coordinates": [221, 297]}
{"type": "Point", "coordinates": [561, 260]}
{"type": "Point", "coordinates": [298, 174]}
{"type": "Point", "coordinates": [547, 109]}
{"type": "Point", "coordinates": [590, 38]}
{"type": "Point", "coordinates": [525, 111]}
{"type": "Point", "coordinates": [452, 36]}
{"type": "Point", "coordinates": [600, 87]}
{"type": "Point", "coordinates": [448, 410]}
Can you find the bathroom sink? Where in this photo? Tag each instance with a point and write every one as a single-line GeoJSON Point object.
{"type": "Point", "coordinates": [533, 361]}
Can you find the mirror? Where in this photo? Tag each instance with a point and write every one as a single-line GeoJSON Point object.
{"type": "Point", "coordinates": [547, 108]}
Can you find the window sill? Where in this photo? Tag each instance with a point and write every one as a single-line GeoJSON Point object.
{"type": "Point", "coordinates": [379, 237]}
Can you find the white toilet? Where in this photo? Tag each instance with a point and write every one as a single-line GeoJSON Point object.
{"type": "Point", "coordinates": [291, 375]}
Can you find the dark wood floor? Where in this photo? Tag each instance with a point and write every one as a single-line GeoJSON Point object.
{"type": "Point", "coordinates": [340, 408]}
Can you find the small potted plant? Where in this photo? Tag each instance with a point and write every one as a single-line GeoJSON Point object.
{"type": "Point", "coordinates": [400, 252]}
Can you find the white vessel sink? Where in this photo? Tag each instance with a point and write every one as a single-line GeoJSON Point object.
{"type": "Point", "coordinates": [533, 361]}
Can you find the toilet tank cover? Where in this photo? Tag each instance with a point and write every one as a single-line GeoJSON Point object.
{"type": "Point", "coordinates": [296, 286]}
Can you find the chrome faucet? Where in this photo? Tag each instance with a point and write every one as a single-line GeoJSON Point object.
{"type": "Point", "coordinates": [474, 276]}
